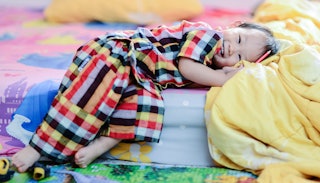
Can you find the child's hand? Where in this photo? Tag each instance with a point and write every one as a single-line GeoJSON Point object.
{"type": "Point", "coordinates": [232, 69]}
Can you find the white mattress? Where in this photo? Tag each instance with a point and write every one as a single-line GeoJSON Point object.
{"type": "Point", "coordinates": [184, 137]}
{"type": "Point", "coordinates": [183, 140]}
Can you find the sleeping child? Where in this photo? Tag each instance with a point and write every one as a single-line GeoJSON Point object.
{"type": "Point", "coordinates": [111, 91]}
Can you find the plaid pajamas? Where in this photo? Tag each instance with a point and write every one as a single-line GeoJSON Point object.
{"type": "Point", "coordinates": [112, 88]}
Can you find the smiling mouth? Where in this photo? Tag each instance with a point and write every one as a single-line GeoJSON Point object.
{"type": "Point", "coordinates": [222, 49]}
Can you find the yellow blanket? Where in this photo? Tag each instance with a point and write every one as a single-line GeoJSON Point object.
{"type": "Point", "coordinates": [266, 119]}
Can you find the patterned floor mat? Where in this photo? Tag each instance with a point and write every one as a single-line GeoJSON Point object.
{"type": "Point", "coordinates": [128, 173]}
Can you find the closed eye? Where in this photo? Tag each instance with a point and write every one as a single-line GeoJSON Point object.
{"type": "Point", "coordinates": [239, 41]}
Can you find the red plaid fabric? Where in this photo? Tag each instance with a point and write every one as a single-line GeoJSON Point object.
{"type": "Point", "coordinates": [113, 87]}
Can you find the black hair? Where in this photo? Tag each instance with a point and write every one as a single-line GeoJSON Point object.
{"type": "Point", "coordinates": [272, 43]}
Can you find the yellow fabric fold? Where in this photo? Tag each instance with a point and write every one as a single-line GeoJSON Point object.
{"type": "Point", "coordinates": [266, 119]}
{"type": "Point", "coordinates": [293, 172]}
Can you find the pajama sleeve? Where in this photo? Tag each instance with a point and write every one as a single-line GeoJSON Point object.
{"type": "Point", "coordinates": [200, 45]}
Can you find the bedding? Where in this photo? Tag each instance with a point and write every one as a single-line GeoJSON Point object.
{"type": "Point", "coordinates": [273, 127]}
{"type": "Point", "coordinates": [34, 56]}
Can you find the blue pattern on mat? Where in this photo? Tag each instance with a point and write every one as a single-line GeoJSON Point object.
{"type": "Point", "coordinates": [61, 61]}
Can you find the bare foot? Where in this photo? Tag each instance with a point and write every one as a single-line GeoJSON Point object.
{"type": "Point", "coordinates": [88, 154]}
{"type": "Point", "coordinates": [25, 158]}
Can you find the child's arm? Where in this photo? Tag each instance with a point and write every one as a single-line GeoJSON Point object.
{"type": "Point", "coordinates": [204, 75]}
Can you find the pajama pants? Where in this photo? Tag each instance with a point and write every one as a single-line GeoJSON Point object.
{"type": "Point", "coordinates": [98, 96]}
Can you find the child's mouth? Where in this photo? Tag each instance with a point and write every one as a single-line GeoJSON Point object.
{"type": "Point", "coordinates": [222, 49]}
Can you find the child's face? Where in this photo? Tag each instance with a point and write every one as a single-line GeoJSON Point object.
{"type": "Point", "coordinates": [240, 44]}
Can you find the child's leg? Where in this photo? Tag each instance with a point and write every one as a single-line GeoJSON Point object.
{"type": "Point", "coordinates": [121, 124]}
{"type": "Point", "coordinates": [25, 158]}
{"type": "Point", "coordinates": [88, 154]}
{"type": "Point", "coordinates": [77, 107]}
